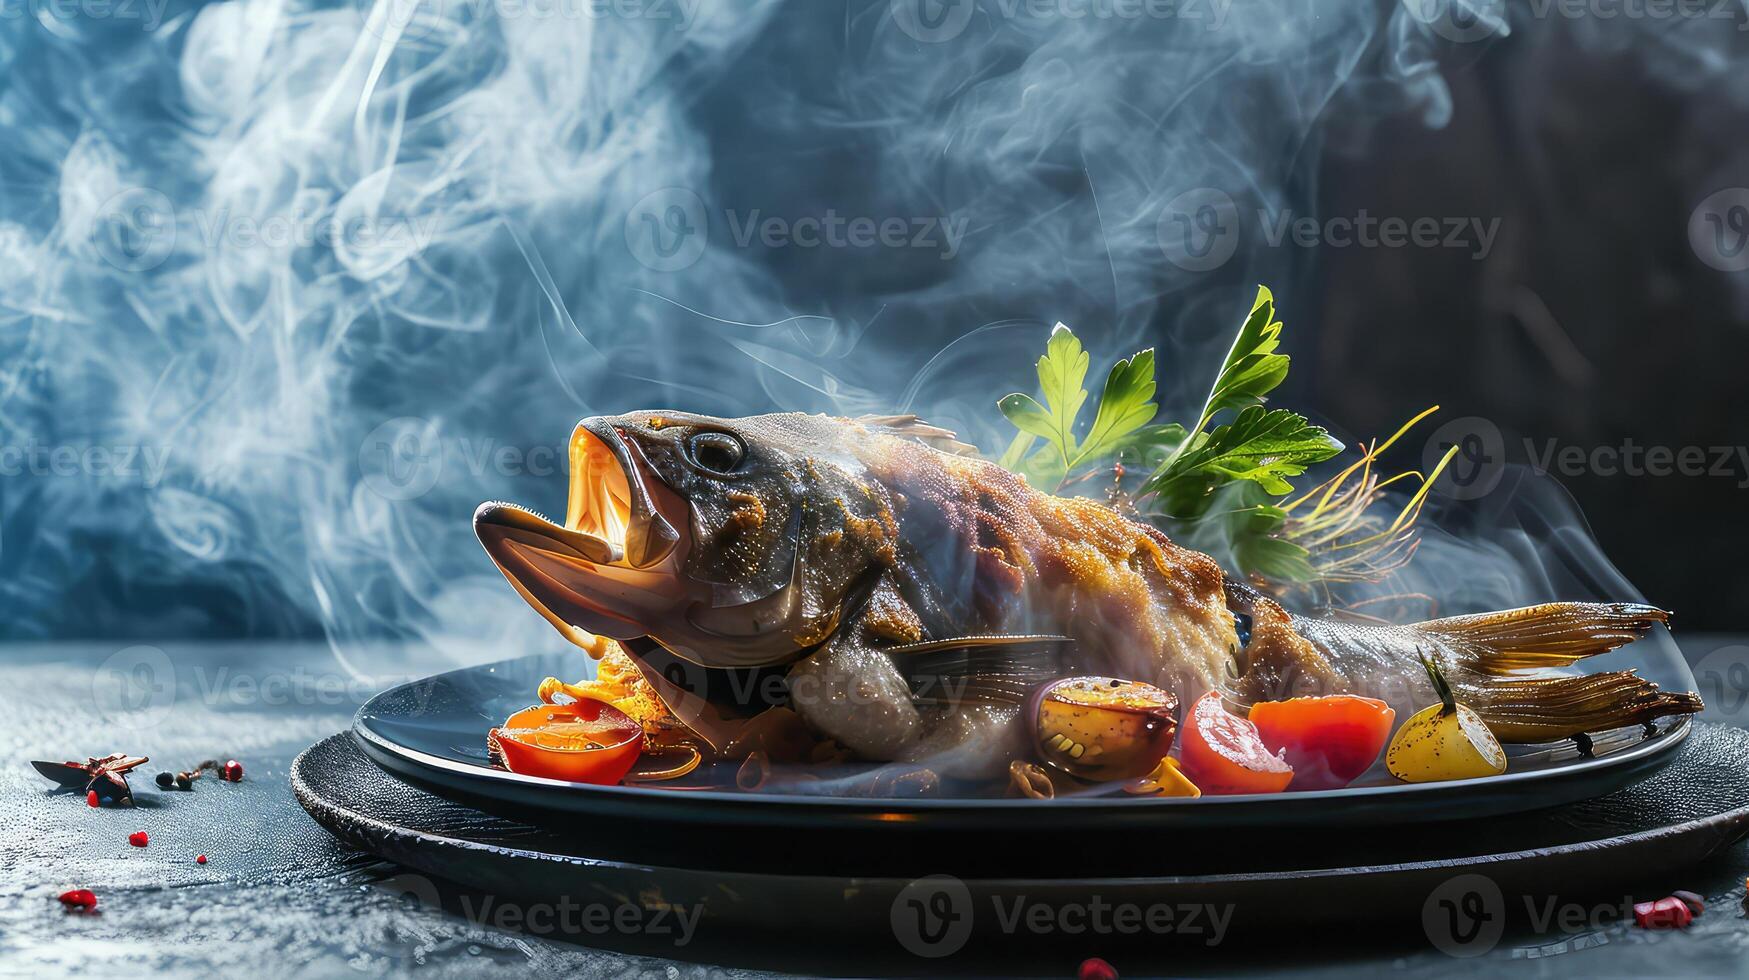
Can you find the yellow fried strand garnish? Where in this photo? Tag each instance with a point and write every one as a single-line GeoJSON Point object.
{"type": "Point", "coordinates": [619, 682]}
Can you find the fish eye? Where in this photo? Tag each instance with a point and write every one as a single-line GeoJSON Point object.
{"type": "Point", "coordinates": [718, 452]}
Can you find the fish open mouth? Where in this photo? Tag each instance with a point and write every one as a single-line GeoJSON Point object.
{"type": "Point", "coordinates": [613, 568]}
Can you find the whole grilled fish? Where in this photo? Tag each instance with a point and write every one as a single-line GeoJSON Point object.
{"type": "Point", "coordinates": [914, 595]}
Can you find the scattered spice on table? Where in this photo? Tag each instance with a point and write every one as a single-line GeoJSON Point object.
{"type": "Point", "coordinates": [1665, 913]}
{"type": "Point", "coordinates": [83, 899]}
{"type": "Point", "coordinates": [104, 778]}
{"type": "Point", "coordinates": [230, 772]}
{"type": "Point", "coordinates": [1094, 968]}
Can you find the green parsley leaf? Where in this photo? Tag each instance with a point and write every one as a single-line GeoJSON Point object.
{"type": "Point", "coordinates": [1254, 544]}
{"type": "Point", "coordinates": [1125, 405]}
{"type": "Point", "coordinates": [1264, 447]}
{"type": "Point", "coordinates": [1252, 369]}
{"type": "Point", "coordinates": [1061, 372]}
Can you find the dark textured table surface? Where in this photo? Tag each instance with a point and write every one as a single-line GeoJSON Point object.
{"type": "Point", "coordinates": [279, 897]}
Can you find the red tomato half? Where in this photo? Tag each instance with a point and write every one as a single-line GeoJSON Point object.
{"type": "Point", "coordinates": [1223, 754]}
{"type": "Point", "coordinates": [587, 741]}
{"type": "Point", "coordinates": [1330, 740]}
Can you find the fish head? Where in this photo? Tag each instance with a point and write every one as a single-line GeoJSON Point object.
{"type": "Point", "coordinates": [731, 542]}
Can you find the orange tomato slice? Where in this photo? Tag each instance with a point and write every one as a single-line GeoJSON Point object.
{"type": "Point", "coordinates": [586, 741]}
{"type": "Point", "coordinates": [1330, 740]}
{"type": "Point", "coordinates": [1223, 754]}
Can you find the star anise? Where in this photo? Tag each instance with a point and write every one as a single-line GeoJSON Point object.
{"type": "Point", "coordinates": [107, 777]}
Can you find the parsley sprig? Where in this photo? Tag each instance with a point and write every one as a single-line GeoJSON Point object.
{"type": "Point", "coordinates": [1239, 451]}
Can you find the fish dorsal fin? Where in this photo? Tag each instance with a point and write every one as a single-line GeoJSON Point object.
{"type": "Point", "coordinates": [912, 427]}
{"type": "Point", "coordinates": [981, 669]}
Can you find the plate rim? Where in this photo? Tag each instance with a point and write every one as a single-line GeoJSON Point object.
{"type": "Point", "coordinates": [1738, 815]}
{"type": "Point", "coordinates": [1639, 754]}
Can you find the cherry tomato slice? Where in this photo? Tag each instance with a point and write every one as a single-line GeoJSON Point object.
{"type": "Point", "coordinates": [586, 741]}
{"type": "Point", "coordinates": [1329, 741]}
{"type": "Point", "coordinates": [1223, 754]}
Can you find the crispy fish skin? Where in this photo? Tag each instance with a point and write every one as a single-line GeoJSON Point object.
{"type": "Point", "coordinates": [856, 550]}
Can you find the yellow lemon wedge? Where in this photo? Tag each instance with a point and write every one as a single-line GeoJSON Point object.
{"type": "Point", "coordinates": [1165, 780]}
{"type": "Point", "coordinates": [1444, 741]}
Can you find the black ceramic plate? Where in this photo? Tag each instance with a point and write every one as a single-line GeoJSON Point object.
{"type": "Point", "coordinates": [809, 904]}
{"type": "Point", "coordinates": [433, 732]}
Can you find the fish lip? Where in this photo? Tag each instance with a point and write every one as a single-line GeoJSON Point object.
{"type": "Point", "coordinates": [519, 542]}
{"type": "Point", "coordinates": [584, 583]}
{"type": "Point", "coordinates": [516, 521]}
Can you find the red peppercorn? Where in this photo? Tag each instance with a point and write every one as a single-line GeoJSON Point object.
{"type": "Point", "coordinates": [1094, 968]}
{"type": "Point", "coordinates": [79, 898]}
{"type": "Point", "coordinates": [1665, 913]}
{"type": "Point", "coordinates": [138, 838]}
{"type": "Point", "coordinates": [91, 798]}
{"type": "Point", "coordinates": [233, 771]}
{"type": "Point", "coordinates": [200, 859]}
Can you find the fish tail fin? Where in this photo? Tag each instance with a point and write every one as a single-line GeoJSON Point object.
{"type": "Point", "coordinates": [1496, 649]}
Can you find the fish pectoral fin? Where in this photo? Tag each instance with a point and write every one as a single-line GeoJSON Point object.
{"type": "Point", "coordinates": [981, 669]}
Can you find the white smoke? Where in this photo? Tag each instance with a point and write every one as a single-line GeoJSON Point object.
{"type": "Point", "coordinates": [330, 263]}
